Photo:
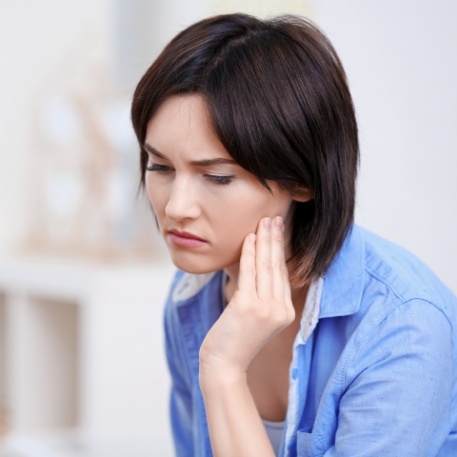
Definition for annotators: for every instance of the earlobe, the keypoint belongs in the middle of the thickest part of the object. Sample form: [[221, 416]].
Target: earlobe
[[302, 194]]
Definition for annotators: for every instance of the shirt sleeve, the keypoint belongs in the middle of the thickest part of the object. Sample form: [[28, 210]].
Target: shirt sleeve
[[180, 396], [397, 387]]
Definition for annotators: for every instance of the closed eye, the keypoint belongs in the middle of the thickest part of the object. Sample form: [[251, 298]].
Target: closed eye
[[158, 167], [216, 179], [220, 180]]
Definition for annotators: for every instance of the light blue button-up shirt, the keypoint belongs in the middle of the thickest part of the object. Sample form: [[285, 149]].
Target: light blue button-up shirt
[[374, 368]]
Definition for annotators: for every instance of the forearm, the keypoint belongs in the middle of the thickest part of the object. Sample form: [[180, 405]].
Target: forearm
[[235, 426]]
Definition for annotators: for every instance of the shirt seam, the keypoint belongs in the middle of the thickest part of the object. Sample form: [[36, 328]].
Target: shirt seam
[[402, 298], [378, 322]]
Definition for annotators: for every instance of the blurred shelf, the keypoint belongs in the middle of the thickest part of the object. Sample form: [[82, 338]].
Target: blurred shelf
[[82, 365]]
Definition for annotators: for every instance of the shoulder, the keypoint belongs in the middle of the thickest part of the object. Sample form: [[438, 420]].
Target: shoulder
[[402, 300], [394, 269], [369, 267], [399, 312], [372, 278]]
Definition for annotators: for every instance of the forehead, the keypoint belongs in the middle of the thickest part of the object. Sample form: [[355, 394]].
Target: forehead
[[181, 124]]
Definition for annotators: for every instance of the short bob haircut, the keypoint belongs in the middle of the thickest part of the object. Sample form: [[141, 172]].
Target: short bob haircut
[[279, 101]]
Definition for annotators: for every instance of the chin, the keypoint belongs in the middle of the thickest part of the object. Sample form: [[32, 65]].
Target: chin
[[195, 268], [202, 264]]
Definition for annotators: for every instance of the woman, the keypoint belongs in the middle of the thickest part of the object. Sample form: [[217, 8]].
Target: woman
[[289, 330]]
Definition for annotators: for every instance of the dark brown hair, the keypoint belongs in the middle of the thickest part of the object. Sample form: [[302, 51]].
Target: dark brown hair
[[278, 99]]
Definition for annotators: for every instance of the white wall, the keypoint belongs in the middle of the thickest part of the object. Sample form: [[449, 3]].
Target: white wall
[[39, 46], [401, 60]]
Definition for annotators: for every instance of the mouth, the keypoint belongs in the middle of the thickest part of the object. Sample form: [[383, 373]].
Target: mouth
[[185, 239]]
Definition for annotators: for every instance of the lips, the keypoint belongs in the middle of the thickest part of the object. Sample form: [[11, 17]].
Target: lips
[[185, 239]]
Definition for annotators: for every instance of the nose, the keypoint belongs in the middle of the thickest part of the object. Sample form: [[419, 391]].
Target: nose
[[183, 202]]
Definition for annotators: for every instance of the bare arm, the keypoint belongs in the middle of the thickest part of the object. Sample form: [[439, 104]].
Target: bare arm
[[260, 308]]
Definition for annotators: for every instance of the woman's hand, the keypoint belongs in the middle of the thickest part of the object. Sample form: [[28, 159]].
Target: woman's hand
[[260, 308]]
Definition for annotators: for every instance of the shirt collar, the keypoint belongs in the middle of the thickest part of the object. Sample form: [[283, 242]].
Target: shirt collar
[[344, 279]]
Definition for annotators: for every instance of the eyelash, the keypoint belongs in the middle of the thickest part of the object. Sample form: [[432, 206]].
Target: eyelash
[[220, 180], [215, 179], [158, 167]]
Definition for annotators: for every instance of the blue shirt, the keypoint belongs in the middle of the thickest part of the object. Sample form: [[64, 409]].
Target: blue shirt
[[373, 374]]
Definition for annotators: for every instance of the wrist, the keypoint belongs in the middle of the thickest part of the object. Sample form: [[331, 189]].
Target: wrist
[[218, 374]]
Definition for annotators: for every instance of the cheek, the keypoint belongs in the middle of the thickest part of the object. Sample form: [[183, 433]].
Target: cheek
[[236, 222], [157, 196]]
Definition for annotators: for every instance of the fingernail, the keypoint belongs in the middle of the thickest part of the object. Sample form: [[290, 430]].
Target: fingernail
[[267, 222], [278, 222]]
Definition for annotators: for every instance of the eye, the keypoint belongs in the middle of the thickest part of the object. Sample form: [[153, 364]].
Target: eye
[[220, 180], [158, 167]]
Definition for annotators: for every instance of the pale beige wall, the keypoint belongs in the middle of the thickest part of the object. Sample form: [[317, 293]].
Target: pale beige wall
[[401, 61]]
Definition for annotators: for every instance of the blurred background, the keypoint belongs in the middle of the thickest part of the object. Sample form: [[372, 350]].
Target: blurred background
[[83, 275]]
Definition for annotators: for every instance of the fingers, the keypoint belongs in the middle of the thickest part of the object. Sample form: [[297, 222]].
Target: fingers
[[247, 275], [280, 273], [270, 259], [263, 258], [263, 270]]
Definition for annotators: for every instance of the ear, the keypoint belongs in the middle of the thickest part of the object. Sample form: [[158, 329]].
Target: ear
[[302, 194]]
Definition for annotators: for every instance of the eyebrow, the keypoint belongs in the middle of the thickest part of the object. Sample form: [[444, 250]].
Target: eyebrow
[[200, 163]]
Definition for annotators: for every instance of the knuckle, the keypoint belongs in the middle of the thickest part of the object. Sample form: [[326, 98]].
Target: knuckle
[[277, 237], [264, 237], [266, 266], [278, 265]]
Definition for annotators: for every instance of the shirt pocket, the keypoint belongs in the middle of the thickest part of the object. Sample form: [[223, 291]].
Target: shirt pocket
[[310, 444]]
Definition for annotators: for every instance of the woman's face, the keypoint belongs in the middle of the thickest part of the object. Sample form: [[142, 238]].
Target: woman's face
[[205, 203]]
